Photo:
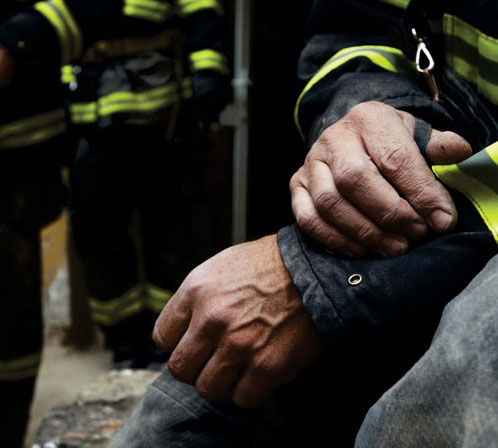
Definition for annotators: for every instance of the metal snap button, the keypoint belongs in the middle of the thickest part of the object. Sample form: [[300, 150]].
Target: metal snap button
[[355, 279]]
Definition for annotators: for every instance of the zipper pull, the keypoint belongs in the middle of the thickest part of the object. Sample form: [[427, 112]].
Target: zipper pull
[[423, 51]]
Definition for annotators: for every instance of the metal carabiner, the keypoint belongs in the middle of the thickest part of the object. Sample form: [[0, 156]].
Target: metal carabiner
[[427, 71], [422, 49]]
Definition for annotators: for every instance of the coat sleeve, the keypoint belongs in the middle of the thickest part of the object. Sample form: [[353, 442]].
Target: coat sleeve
[[207, 49], [363, 60], [375, 306], [354, 301]]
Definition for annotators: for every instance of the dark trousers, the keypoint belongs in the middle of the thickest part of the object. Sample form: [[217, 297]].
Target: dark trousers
[[121, 176]]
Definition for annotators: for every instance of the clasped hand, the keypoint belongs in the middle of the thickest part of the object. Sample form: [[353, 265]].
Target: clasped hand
[[237, 326]]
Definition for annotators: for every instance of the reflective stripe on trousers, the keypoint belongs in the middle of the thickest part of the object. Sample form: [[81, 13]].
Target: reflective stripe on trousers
[[135, 300]]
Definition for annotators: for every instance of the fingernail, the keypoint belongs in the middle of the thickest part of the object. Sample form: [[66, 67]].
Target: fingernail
[[441, 220], [417, 230], [394, 247]]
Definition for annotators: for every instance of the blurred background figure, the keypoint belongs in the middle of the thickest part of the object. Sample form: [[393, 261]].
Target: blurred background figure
[[32, 132], [148, 89]]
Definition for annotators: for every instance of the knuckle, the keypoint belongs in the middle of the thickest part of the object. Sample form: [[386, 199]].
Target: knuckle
[[311, 156], [205, 391], [192, 286], [324, 148], [265, 369], [238, 345], [326, 200], [306, 220], [178, 367], [390, 216], [157, 337], [394, 159], [366, 232], [294, 181], [215, 317], [333, 241], [424, 198], [351, 177], [325, 139], [364, 109], [407, 118]]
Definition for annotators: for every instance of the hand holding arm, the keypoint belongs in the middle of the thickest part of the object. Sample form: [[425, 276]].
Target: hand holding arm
[[237, 326], [365, 185]]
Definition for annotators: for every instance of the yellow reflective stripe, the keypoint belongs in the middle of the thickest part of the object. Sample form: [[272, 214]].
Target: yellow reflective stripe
[[208, 59], [113, 305], [154, 5], [138, 96], [388, 58], [187, 82], [74, 29], [482, 191], [34, 137], [476, 60], [46, 10], [67, 74], [145, 14], [187, 91], [33, 130], [82, 113], [149, 106], [125, 102], [20, 368], [67, 30], [187, 7], [156, 298], [471, 74], [487, 45], [35, 121], [112, 311], [398, 3], [148, 101], [155, 11], [125, 312]]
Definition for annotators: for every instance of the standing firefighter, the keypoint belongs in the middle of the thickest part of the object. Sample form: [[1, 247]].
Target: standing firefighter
[[32, 128], [126, 107], [128, 65]]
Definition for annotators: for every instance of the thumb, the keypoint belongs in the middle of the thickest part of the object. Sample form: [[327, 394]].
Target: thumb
[[445, 148]]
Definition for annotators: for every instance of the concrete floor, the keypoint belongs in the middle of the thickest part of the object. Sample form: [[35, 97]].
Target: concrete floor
[[63, 374]]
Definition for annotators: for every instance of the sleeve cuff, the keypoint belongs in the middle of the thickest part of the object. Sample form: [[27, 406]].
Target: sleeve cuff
[[327, 320]]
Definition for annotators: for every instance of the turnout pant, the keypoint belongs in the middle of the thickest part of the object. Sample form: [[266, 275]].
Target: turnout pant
[[449, 398], [124, 175]]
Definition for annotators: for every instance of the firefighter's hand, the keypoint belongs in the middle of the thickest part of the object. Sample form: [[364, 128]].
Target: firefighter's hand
[[365, 186], [237, 326], [7, 67]]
